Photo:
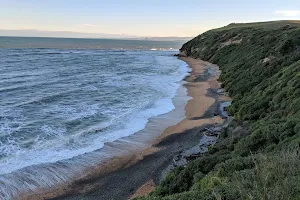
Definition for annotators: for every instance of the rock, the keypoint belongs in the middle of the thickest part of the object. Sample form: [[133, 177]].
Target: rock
[[268, 59], [180, 162], [181, 54]]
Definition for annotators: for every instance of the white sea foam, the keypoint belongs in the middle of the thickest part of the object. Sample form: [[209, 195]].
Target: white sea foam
[[59, 147], [57, 155], [72, 113]]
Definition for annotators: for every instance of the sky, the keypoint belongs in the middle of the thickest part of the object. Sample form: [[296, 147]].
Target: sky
[[145, 18]]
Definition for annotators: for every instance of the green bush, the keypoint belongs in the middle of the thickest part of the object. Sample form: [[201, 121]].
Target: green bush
[[256, 157]]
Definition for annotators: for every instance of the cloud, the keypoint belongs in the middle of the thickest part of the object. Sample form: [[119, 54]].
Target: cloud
[[89, 25], [288, 13]]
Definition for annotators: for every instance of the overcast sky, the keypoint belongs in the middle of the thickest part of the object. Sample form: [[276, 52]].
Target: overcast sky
[[140, 17]]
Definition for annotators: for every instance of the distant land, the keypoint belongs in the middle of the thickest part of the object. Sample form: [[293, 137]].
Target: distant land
[[70, 34]]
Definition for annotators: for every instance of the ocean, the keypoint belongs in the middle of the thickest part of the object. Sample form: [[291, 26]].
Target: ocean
[[62, 99]]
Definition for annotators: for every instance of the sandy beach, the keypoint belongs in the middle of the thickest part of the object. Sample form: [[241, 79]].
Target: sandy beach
[[136, 174]]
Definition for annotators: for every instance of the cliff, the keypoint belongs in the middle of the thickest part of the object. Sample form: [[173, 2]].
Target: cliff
[[257, 156]]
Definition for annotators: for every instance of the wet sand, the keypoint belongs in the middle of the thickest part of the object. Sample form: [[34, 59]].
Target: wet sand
[[137, 173]]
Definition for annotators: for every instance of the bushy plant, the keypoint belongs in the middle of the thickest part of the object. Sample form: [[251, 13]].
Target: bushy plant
[[257, 155]]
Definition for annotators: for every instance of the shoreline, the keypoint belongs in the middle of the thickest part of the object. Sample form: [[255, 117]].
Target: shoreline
[[145, 168]]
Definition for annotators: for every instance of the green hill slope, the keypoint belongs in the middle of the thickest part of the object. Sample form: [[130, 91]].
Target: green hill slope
[[257, 155], [264, 25]]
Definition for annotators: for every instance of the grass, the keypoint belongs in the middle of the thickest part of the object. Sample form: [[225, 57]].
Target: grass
[[257, 155], [261, 177], [271, 25]]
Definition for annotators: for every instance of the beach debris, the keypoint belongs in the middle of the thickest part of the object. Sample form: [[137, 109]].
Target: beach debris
[[209, 138]]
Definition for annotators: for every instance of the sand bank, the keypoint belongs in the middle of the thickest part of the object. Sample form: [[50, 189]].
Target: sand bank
[[137, 172]]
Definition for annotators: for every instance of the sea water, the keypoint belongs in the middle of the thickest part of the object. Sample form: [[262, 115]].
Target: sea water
[[64, 98]]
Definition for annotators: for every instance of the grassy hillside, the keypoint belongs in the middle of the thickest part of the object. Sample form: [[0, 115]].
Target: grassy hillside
[[257, 156], [271, 25]]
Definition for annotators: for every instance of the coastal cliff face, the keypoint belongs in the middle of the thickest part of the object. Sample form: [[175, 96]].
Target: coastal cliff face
[[257, 156]]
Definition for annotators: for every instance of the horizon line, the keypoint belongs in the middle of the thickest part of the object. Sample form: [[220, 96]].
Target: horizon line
[[33, 32], [107, 38]]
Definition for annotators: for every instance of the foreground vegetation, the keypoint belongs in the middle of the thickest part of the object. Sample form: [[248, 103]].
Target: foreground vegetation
[[257, 155]]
